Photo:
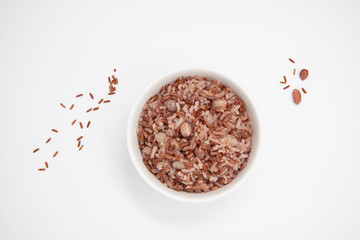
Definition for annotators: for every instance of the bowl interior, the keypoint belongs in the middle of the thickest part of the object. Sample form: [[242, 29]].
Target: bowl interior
[[135, 153]]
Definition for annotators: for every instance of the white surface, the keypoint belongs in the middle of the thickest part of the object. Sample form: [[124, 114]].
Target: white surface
[[306, 186], [151, 90]]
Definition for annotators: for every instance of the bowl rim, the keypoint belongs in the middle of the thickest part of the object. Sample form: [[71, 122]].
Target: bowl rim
[[163, 189]]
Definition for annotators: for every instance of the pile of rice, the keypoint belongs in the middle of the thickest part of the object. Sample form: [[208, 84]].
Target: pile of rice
[[194, 135]]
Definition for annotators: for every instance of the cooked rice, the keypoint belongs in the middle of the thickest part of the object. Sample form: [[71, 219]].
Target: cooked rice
[[220, 140]]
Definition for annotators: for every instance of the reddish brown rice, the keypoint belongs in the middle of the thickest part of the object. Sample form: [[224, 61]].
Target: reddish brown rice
[[195, 135]]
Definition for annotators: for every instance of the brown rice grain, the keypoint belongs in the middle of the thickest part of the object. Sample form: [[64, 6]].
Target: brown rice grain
[[286, 87], [88, 125], [303, 89], [48, 140], [79, 95], [89, 110], [294, 72], [81, 125], [285, 80], [72, 106], [54, 130], [114, 69], [56, 153], [73, 122], [79, 143], [107, 101], [46, 165], [92, 97], [79, 138], [96, 108], [111, 93], [81, 147], [101, 100], [291, 60], [36, 150], [109, 79], [62, 105], [41, 169]]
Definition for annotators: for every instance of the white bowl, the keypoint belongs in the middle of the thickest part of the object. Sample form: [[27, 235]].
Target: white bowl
[[135, 153]]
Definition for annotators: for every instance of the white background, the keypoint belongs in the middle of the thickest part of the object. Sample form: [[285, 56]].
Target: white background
[[305, 185]]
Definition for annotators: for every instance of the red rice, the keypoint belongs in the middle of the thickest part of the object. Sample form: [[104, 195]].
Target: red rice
[[96, 108], [101, 100], [291, 60], [81, 125], [72, 106], [47, 165], [79, 138], [209, 123], [303, 89], [54, 130], [62, 105], [48, 140], [79, 95], [294, 71], [111, 93], [107, 101], [92, 97], [73, 122], [36, 150], [285, 79], [56, 153], [81, 147], [41, 169], [88, 125], [79, 143], [286, 87], [89, 110]]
